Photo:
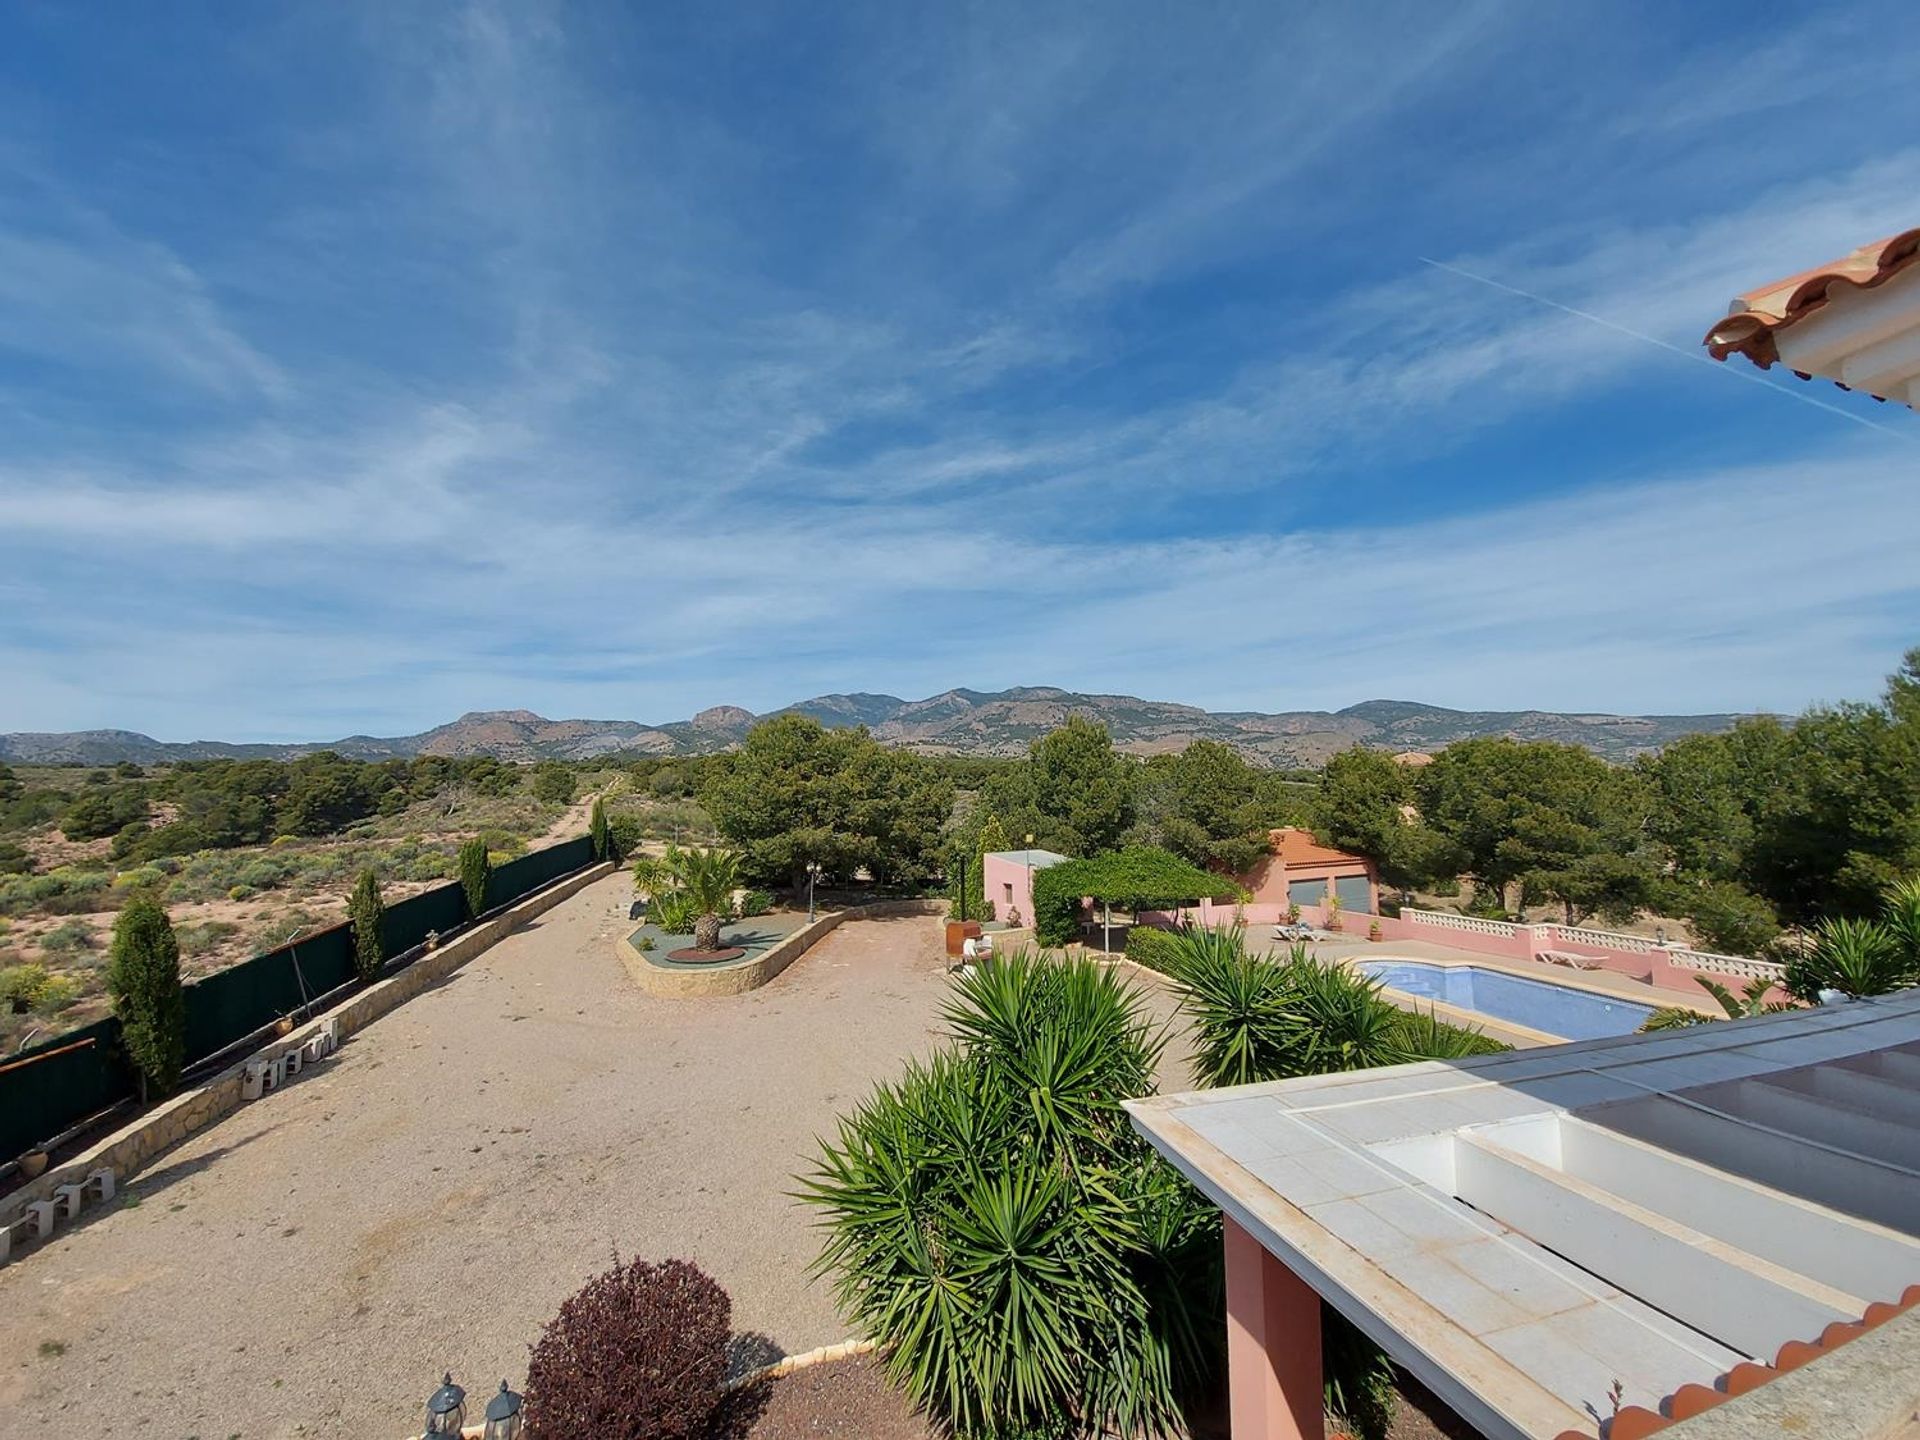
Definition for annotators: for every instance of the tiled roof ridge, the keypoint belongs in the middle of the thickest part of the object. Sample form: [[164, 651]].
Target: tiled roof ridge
[[1760, 313], [1636, 1422]]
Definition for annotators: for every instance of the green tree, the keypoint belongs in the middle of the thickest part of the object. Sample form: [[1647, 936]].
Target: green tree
[[326, 793], [366, 910], [10, 786], [598, 832], [143, 977], [103, 809], [1207, 804], [552, 783], [1555, 819], [1727, 917], [1363, 803], [797, 792], [473, 865], [1080, 791]]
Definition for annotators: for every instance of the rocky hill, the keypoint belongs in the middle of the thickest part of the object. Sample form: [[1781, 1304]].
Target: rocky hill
[[957, 722]]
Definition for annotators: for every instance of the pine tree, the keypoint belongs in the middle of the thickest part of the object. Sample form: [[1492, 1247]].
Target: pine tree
[[366, 911], [143, 976]]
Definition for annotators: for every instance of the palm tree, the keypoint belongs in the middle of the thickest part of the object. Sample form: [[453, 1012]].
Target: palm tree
[[1752, 1000], [708, 878]]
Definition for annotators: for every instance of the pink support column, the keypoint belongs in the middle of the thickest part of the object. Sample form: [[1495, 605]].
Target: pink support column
[[1273, 1345]]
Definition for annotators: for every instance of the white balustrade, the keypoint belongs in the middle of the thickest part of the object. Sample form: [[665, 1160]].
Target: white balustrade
[[1447, 921], [1742, 965]]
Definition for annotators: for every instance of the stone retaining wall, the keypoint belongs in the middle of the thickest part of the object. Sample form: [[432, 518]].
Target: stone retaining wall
[[739, 976], [130, 1148]]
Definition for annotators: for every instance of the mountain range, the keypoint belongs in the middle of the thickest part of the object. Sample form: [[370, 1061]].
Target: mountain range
[[957, 722]]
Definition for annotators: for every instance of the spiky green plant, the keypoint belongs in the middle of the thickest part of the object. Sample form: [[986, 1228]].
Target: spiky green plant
[[707, 878], [1268, 1017], [1752, 1000], [1855, 957], [994, 1220]]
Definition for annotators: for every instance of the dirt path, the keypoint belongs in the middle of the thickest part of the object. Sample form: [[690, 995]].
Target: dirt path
[[309, 1266]]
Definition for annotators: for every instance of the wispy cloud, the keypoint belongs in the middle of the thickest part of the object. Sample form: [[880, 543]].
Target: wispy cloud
[[592, 364]]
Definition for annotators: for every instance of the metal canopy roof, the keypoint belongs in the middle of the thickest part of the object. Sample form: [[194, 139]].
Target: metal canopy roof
[[1523, 1231]]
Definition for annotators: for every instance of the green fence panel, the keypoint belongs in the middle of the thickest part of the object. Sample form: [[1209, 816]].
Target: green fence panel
[[85, 1070], [509, 881], [59, 1083], [439, 910], [242, 998]]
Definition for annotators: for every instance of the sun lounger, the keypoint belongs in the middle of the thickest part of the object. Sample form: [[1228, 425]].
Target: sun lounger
[[1568, 959]]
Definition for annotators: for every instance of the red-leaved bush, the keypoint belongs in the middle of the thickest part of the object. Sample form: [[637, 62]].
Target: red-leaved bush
[[639, 1353]]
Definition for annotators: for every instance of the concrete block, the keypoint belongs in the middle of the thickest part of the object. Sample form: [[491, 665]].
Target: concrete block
[[40, 1218], [69, 1196], [100, 1184], [293, 1059]]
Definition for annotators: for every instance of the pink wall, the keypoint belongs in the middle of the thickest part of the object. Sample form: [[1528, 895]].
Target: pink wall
[[1009, 884]]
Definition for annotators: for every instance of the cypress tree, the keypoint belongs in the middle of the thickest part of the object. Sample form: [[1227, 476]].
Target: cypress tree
[[366, 910], [597, 829], [143, 976], [473, 876]]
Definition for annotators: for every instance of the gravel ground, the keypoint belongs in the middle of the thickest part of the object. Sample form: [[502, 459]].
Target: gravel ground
[[310, 1265]]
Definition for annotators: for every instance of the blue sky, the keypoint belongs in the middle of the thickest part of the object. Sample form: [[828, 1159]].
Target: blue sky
[[364, 365]]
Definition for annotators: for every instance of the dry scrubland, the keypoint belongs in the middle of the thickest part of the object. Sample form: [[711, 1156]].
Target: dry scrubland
[[59, 895]]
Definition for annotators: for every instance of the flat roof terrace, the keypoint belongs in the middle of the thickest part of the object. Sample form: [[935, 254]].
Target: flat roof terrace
[[1545, 1236]]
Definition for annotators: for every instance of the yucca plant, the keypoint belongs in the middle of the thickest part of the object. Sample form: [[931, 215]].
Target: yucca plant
[[1855, 957], [1268, 1017], [996, 1223]]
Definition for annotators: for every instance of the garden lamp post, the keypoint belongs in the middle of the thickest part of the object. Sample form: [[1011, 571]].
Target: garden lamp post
[[504, 1420], [813, 875], [446, 1409]]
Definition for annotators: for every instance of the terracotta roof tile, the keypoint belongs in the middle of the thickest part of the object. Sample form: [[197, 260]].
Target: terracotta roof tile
[[1295, 846], [1758, 315]]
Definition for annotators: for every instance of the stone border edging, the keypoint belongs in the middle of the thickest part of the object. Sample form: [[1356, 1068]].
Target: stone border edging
[[738, 977], [787, 1364], [129, 1148]]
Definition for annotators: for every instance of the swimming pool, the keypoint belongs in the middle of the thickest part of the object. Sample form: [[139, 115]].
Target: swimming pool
[[1538, 1004]]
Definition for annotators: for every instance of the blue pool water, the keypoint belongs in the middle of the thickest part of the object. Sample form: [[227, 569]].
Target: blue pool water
[[1537, 1004]]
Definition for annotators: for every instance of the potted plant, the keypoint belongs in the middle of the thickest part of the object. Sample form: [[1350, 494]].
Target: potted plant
[[1333, 912], [1373, 932], [1293, 913]]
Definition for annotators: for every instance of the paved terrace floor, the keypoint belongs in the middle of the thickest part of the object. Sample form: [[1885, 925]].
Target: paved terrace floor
[[310, 1265]]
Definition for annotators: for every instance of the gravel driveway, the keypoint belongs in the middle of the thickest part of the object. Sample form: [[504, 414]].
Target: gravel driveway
[[425, 1201]]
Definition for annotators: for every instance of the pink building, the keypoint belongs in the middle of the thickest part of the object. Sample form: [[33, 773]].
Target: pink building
[[1301, 871], [1008, 875]]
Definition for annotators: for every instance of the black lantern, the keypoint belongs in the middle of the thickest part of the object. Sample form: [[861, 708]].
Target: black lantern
[[446, 1409], [503, 1416]]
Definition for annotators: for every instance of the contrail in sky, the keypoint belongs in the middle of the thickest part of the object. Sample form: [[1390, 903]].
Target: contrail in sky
[[1739, 373]]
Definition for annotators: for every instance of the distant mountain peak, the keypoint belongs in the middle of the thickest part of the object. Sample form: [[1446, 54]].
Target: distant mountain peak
[[954, 722]]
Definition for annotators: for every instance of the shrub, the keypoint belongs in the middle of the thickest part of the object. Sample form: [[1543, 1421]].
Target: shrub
[[754, 902], [552, 783], [473, 866], [143, 977], [14, 860], [366, 912], [640, 1350], [201, 936], [1028, 1261], [240, 892], [1731, 920], [1154, 948], [68, 939], [20, 987], [674, 912], [56, 994]]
